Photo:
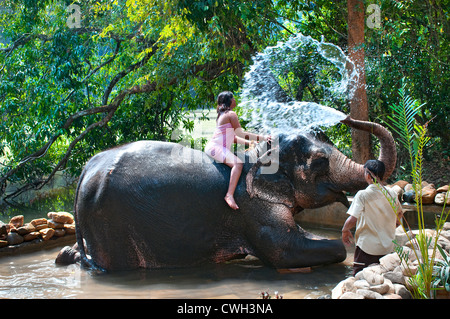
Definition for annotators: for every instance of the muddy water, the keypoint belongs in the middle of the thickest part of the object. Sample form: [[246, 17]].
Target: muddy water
[[35, 275]]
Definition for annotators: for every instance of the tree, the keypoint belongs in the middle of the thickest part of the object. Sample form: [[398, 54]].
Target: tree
[[359, 108], [71, 85]]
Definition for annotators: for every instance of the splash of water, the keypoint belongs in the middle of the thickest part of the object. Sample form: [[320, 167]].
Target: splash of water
[[268, 107]]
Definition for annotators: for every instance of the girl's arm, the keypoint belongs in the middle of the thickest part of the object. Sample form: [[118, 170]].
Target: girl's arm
[[240, 140], [241, 133]]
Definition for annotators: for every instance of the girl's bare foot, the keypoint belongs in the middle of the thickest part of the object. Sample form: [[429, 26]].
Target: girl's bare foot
[[230, 201]]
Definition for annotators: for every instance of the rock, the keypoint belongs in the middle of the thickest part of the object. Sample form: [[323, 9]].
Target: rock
[[361, 284], [369, 294], [392, 296], [399, 191], [25, 229], [373, 276], [47, 233], [351, 295], [446, 226], [70, 229], [31, 236], [55, 225], [381, 289], [3, 231], [408, 187], [444, 242], [61, 217], [395, 276], [38, 221], [402, 291], [401, 184], [391, 286], [40, 226], [59, 232], [14, 239], [16, 221], [390, 261], [443, 189], [343, 287], [409, 196], [442, 198], [445, 233], [428, 194], [3, 243]]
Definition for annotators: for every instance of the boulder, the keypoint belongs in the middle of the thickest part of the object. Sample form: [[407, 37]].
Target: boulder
[[47, 233], [3, 231], [31, 236], [402, 291], [442, 198], [409, 196], [398, 190], [372, 275], [38, 221], [3, 243], [55, 225], [351, 295], [395, 276], [369, 294], [381, 289], [61, 217], [70, 229], [25, 229], [14, 239], [16, 221], [401, 184], [390, 261], [41, 226], [392, 296], [428, 194], [59, 232], [361, 284]]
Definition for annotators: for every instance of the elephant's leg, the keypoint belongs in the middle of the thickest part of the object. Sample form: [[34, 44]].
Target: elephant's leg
[[281, 243]]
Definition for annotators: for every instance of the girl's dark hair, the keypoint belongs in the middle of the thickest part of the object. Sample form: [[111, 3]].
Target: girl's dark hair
[[224, 103], [376, 167]]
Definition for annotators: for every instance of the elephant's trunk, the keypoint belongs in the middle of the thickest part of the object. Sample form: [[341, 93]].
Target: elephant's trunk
[[349, 175]]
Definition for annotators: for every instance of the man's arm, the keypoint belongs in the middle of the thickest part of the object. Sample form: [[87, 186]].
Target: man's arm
[[347, 236]]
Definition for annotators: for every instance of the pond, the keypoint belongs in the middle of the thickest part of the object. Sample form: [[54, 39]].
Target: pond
[[35, 275]]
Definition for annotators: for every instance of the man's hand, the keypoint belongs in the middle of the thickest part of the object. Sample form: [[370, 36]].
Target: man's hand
[[347, 237]]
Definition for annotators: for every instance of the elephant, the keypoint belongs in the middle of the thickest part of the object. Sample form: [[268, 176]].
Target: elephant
[[137, 206]]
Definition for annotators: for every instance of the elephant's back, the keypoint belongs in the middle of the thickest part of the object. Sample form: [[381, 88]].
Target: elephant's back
[[146, 190]]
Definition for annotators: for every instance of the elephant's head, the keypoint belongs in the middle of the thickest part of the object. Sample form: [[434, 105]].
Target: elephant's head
[[313, 173]]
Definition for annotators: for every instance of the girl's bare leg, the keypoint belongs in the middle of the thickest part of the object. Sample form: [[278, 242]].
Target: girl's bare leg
[[236, 168]]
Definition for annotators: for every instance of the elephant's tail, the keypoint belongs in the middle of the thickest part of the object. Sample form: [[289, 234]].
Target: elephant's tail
[[86, 260]]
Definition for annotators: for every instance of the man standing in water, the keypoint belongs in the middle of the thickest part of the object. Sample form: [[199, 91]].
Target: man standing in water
[[374, 219]]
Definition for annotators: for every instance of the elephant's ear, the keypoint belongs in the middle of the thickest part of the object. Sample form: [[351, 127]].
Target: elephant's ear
[[275, 188]]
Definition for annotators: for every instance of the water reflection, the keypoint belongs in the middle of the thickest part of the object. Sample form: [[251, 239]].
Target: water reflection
[[36, 276]]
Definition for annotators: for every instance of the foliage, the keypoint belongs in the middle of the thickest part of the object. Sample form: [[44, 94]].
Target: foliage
[[442, 272], [412, 42], [130, 71], [413, 137]]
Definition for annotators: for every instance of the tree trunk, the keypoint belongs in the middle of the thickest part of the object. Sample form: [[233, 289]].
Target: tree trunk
[[359, 109]]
